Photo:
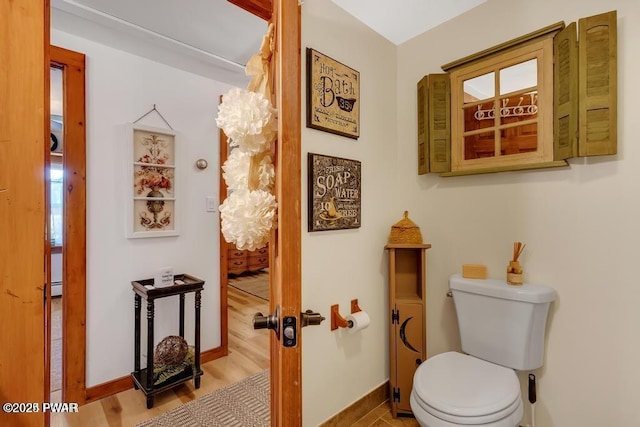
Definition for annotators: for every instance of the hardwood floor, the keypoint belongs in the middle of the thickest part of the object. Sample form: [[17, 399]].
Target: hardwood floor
[[248, 354], [381, 417]]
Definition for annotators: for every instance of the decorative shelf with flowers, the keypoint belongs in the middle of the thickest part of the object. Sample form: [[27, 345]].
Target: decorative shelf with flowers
[[152, 208]]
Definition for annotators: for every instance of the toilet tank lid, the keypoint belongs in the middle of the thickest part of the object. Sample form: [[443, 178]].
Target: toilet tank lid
[[499, 288]]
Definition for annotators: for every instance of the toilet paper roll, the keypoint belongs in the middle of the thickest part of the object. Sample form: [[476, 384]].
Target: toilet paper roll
[[358, 321]]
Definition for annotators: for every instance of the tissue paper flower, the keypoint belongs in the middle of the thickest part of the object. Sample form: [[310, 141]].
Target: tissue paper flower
[[247, 218], [236, 171], [248, 120]]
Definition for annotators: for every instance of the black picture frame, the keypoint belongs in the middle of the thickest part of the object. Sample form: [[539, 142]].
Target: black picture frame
[[334, 190], [333, 95]]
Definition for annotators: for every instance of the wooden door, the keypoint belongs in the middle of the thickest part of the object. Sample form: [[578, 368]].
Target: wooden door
[[285, 247], [285, 244], [24, 148]]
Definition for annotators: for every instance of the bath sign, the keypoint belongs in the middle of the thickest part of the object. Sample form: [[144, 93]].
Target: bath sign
[[334, 193], [333, 96]]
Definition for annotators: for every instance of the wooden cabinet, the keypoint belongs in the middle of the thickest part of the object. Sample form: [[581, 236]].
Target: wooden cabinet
[[528, 103], [408, 325], [240, 261]]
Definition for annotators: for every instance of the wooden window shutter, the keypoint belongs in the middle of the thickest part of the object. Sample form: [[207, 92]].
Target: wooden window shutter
[[423, 126], [439, 111], [565, 93], [597, 57]]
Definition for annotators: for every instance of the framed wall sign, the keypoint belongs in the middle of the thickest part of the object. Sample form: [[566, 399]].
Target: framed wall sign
[[152, 207], [333, 96], [334, 193]]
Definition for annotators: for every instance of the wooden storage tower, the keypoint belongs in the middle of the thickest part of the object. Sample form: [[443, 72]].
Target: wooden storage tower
[[407, 330]]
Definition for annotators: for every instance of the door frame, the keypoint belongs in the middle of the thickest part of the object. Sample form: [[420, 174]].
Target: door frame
[[28, 100], [74, 248], [24, 148]]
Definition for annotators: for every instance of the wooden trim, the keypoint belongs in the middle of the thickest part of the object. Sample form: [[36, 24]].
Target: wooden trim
[[408, 246], [544, 165], [24, 145], [108, 388], [503, 47], [224, 261], [47, 248], [285, 246], [213, 354], [74, 233], [260, 8], [361, 407]]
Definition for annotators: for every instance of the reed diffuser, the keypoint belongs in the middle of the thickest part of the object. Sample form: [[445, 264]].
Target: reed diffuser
[[514, 270]]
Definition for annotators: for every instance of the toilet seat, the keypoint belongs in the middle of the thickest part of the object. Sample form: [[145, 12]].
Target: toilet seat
[[464, 390]]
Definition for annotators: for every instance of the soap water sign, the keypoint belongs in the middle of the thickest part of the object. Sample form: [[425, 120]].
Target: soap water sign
[[335, 201]]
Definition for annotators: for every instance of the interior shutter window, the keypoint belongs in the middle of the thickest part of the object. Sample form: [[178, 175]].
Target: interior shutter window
[[597, 56], [565, 93], [439, 111], [423, 126]]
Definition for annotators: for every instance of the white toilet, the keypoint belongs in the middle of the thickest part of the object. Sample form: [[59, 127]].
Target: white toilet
[[502, 329]]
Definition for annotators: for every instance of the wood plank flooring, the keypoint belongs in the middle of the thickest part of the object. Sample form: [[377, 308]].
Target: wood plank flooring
[[248, 354]]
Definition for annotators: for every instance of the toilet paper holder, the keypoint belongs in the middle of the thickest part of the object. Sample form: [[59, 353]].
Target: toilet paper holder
[[337, 321]]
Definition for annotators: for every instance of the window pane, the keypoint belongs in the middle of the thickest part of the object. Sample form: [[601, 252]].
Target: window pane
[[520, 107], [478, 88], [479, 145], [479, 116], [519, 76], [519, 139], [56, 176]]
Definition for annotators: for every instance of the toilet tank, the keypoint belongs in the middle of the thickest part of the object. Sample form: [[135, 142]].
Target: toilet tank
[[501, 323]]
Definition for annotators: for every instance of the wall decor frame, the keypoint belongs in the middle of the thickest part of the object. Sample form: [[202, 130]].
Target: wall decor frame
[[334, 193], [333, 95], [152, 157]]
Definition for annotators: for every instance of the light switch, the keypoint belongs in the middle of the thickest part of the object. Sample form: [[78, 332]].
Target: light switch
[[212, 204]]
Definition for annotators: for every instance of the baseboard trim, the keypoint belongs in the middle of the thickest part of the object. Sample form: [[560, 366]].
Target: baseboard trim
[[118, 385], [108, 388], [213, 354], [367, 403]]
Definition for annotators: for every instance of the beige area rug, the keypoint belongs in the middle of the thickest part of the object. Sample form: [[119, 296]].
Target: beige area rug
[[243, 404], [256, 284]]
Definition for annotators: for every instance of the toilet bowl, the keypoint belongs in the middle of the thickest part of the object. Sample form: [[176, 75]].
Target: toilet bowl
[[454, 389], [502, 330]]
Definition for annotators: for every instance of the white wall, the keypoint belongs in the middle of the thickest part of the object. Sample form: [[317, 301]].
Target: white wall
[[120, 88], [338, 266], [580, 224]]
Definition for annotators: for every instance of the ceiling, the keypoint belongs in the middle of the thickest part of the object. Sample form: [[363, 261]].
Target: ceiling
[[215, 38], [401, 20]]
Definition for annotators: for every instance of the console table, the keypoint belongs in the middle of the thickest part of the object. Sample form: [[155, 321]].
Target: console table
[[143, 378]]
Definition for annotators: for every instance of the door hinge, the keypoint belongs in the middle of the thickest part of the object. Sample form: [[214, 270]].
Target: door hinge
[[395, 316], [396, 394]]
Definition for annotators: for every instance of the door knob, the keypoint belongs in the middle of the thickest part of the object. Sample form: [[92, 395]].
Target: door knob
[[310, 318], [272, 321]]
